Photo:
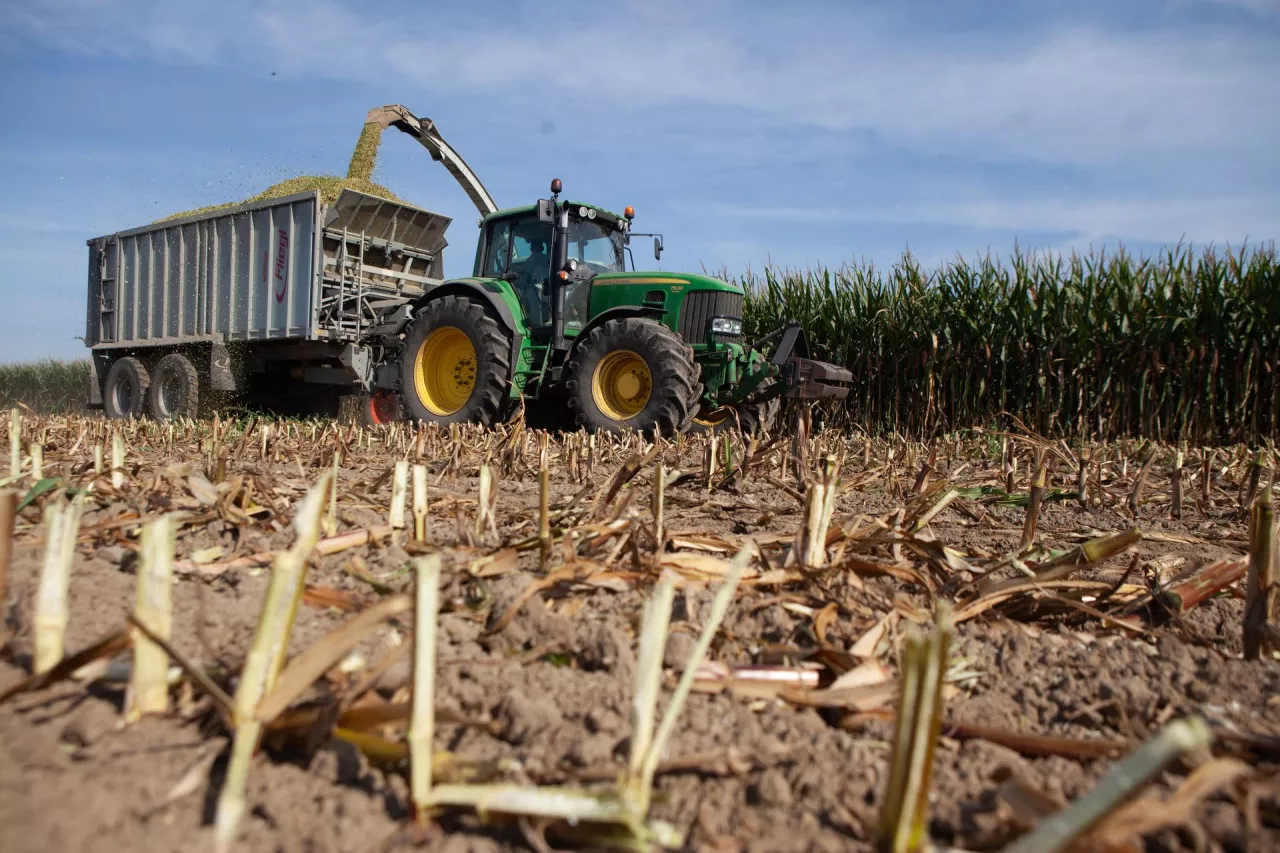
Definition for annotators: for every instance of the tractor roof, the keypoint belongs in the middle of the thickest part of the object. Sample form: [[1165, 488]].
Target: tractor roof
[[532, 208]]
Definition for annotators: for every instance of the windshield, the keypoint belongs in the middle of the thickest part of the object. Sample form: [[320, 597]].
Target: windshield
[[596, 245]]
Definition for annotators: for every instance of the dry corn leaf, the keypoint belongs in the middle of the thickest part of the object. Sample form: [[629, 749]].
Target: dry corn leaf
[[500, 563], [112, 644], [868, 644], [204, 556], [301, 672], [1125, 827], [866, 674]]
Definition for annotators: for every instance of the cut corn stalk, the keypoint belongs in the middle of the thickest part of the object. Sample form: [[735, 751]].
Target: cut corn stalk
[[903, 815], [420, 503], [719, 607], [544, 517], [117, 461], [653, 643], [8, 506], [62, 527], [149, 692], [484, 506], [266, 656], [659, 506], [15, 443], [1033, 505], [1261, 591], [399, 494], [1182, 594], [422, 722], [1175, 485], [819, 503]]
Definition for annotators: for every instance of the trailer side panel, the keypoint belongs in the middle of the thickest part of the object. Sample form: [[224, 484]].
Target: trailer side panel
[[249, 275]]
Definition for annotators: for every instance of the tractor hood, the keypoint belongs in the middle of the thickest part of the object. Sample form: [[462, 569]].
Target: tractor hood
[[683, 281]]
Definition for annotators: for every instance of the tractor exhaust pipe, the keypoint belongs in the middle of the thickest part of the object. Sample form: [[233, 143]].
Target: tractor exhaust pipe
[[560, 239]]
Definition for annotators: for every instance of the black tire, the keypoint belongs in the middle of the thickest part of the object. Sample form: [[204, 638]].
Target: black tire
[[488, 369], [675, 384], [175, 389], [124, 394], [750, 418]]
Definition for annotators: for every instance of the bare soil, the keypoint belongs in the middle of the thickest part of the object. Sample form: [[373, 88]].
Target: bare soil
[[550, 694]]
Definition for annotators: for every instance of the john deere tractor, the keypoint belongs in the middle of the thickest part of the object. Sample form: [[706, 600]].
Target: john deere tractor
[[552, 315]]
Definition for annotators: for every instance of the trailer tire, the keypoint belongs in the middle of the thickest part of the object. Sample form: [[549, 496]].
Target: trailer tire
[[636, 374], [124, 394], [455, 364], [175, 388]]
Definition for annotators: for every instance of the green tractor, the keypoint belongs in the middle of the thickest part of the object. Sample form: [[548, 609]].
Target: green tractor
[[552, 316]]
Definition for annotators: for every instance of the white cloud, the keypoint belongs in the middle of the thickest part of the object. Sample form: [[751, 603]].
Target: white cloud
[[1086, 220], [1080, 96]]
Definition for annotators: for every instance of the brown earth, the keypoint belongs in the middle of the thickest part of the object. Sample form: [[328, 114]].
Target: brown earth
[[550, 695]]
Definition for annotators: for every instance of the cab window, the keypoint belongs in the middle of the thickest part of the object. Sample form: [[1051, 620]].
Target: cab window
[[499, 249], [530, 264]]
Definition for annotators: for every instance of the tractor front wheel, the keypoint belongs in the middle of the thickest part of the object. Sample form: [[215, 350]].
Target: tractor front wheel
[[455, 364], [750, 418], [633, 374]]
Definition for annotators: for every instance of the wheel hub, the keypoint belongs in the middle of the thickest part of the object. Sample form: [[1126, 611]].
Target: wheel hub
[[444, 370], [622, 385]]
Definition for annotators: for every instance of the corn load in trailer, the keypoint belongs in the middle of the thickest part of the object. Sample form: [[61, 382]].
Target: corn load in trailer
[[291, 303]]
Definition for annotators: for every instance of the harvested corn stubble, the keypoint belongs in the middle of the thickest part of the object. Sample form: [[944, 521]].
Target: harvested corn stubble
[[1065, 654]]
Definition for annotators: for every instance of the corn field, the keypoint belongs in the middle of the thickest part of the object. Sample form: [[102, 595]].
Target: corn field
[[1185, 345], [48, 386]]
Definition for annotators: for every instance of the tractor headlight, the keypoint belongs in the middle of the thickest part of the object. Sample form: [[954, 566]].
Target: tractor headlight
[[726, 326]]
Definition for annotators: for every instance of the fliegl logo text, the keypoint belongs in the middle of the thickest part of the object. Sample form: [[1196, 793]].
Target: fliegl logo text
[[282, 267]]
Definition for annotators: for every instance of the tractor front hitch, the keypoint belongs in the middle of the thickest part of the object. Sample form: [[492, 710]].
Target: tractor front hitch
[[804, 378], [807, 379]]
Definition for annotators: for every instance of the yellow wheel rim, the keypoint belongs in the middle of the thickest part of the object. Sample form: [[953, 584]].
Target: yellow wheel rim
[[444, 370], [621, 385], [713, 417]]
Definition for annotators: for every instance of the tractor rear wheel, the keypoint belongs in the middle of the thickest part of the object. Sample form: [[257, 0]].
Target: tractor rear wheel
[[750, 418], [455, 364], [634, 374], [175, 388], [124, 394]]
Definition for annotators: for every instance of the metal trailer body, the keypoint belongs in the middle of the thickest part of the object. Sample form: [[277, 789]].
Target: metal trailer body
[[290, 281]]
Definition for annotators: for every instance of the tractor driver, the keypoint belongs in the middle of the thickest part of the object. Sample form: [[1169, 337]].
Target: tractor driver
[[531, 276]]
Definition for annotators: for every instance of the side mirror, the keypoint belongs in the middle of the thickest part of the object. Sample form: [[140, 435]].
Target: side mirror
[[657, 248], [546, 210]]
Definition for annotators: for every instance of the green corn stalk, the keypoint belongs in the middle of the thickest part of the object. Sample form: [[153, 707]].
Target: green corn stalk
[[1183, 345]]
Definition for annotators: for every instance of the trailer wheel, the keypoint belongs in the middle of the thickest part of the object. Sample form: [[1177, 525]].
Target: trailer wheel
[[175, 388], [456, 364], [634, 374], [124, 395]]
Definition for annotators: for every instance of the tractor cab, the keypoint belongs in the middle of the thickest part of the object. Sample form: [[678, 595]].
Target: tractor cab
[[521, 246]]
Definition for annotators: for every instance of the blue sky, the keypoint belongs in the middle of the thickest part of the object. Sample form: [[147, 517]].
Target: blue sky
[[747, 132]]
